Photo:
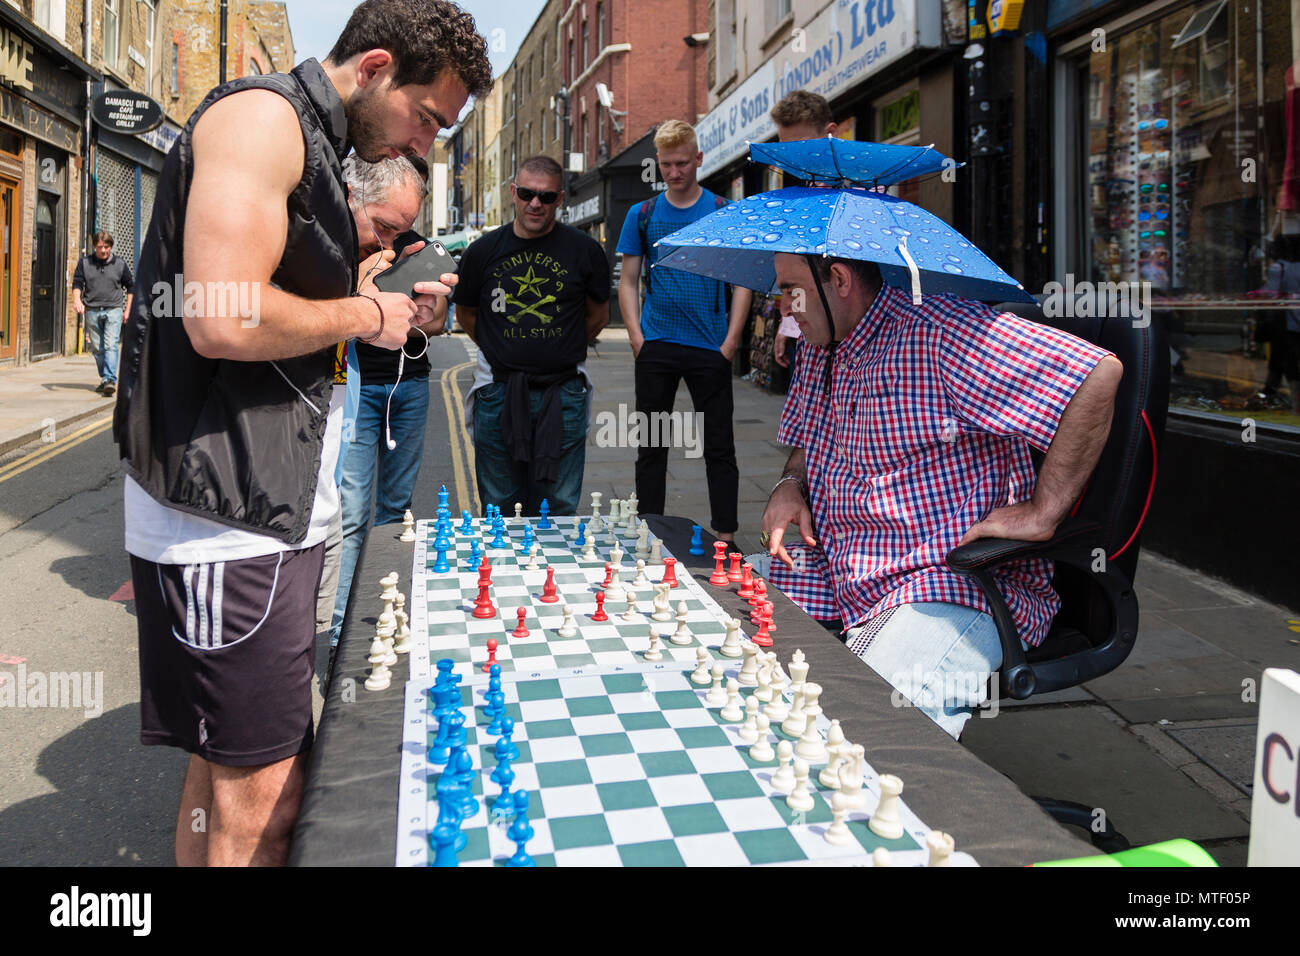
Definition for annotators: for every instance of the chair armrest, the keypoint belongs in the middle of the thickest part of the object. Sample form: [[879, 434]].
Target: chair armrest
[[988, 553]]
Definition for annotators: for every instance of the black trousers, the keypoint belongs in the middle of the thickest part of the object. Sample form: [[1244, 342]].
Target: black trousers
[[659, 367]]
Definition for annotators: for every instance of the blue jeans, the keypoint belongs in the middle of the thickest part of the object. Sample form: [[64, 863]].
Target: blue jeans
[[500, 481], [938, 657], [397, 467], [103, 328]]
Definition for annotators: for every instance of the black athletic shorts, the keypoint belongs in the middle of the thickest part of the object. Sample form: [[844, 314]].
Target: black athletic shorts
[[227, 653]]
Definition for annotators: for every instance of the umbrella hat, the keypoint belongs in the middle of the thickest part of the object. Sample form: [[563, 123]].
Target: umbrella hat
[[852, 162], [916, 250]]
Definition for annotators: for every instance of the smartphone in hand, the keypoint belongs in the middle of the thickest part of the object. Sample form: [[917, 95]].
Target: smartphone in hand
[[427, 265]]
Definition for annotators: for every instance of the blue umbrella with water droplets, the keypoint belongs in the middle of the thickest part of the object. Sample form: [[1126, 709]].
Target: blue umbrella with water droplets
[[916, 250], [852, 162]]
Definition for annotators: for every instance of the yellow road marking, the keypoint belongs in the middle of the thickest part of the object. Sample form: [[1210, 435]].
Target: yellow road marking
[[465, 491], [31, 460], [467, 446]]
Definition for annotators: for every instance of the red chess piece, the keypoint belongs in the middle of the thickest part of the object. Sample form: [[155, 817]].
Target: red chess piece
[[670, 572], [609, 575], [746, 581], [484, 572], [768, 609], [760, 593], [600, 614], [733, 574], [492, 654], [764, 637], [483, 603], [719, 577], [756, 614], [548, 591], [521, 630]]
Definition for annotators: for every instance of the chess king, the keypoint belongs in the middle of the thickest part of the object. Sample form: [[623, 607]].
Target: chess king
[[227, 535]]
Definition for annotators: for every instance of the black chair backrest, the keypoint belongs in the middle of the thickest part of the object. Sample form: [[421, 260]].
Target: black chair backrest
[[1119, 492]]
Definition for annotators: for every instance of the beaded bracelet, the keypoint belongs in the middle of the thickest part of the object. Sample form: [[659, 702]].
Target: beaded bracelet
[[381, 320]]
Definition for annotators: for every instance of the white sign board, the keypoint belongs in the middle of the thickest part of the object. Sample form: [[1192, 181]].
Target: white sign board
[[1275, 807], [847, 42]]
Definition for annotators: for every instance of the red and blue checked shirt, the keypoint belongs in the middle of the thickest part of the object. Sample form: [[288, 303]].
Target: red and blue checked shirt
[[928, 428]]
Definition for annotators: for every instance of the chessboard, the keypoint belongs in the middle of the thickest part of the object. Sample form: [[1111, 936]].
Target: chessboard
[[633, 767], [443, 626]]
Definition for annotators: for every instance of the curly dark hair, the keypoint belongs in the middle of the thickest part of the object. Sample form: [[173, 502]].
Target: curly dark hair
[[424, 37]]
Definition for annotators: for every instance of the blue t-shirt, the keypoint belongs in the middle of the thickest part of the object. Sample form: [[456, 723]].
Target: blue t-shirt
[[681, 307]]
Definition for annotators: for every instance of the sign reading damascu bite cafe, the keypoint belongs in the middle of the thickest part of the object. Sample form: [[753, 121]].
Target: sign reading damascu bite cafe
[[126, 111]]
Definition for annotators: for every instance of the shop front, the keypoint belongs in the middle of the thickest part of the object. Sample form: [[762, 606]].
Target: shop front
[[42, 104], [1177, 174]]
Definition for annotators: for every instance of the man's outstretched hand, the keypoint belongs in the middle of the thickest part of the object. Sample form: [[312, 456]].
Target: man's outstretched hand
[[787, 506], [1023, 521]]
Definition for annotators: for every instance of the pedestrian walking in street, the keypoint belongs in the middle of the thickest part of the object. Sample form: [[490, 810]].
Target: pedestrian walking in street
[[98, 285], [685, 330], [224, 419], [532, 295]]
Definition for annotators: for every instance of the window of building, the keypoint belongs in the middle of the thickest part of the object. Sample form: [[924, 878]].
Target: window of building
[[572, 71], [112, 28], [586, 43], [1190, 169], [176, 70], [151, 15], [600, 26]]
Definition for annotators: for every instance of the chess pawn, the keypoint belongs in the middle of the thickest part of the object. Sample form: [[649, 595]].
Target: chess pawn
[[402, 644], [701, 673], [567, 627], [716, 696], [783, 779], [748, 675], [640, 580], [629, 609], [379, 677], [681, 636], [408, 527], [654, 654], [940, 845], [731, 712], [886, 822], [762, 751], [800, 799], [589, 549], [838, 833], [731, 646], [519, 511], [881, 857], [748, 732], [532, 559]]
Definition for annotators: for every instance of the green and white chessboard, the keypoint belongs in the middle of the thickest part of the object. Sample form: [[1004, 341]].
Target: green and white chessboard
[[442, 604], [629, 767]]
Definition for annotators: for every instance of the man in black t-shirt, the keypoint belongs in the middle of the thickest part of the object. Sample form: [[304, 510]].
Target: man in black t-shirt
[[532, 295]]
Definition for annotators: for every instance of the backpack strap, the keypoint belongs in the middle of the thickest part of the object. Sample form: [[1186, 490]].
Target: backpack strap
[[643, 229]]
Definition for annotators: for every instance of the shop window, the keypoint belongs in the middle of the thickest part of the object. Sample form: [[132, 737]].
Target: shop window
[[1192, 193], [111, 30], [176, 70]]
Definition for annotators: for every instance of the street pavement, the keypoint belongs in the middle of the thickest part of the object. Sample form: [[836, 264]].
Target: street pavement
[[1163, 746]]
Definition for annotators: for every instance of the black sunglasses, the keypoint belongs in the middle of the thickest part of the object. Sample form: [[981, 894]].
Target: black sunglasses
[[528, 195]]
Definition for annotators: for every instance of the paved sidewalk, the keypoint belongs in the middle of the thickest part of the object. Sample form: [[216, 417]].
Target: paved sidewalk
[[1164, 746], [50, 394]]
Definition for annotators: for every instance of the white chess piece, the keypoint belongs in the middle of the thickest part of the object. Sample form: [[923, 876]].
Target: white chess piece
[[654, 654], [640, 581], [798, 667], [532, 559], [783, 779], [834, 736], [731, 646], [629, 514], [701, 673], [379, 677], [616, 557], [615, 513], [614, 582], [402, 643], [886, 822], [567, 627], [762, 750], [749, 730], [716, 696], [881, 857], [656, 551], [663, 611], [386, 629], [940, 845], [810, 746], [851, 776], [596, 524], [778, 674], [731, 711], [681, 636], [408, 526], [764, 692], [838, 834], [830, 774], [519, 511], [800, 799], [794, 724], [777, 709], [748, 675], [812, 693], [589, 549], [643, 541]]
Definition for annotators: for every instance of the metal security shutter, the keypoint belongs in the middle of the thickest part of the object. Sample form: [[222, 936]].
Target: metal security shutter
[[148, 189], [115, 208]]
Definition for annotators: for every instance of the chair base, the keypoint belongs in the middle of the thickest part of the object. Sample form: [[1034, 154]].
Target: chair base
[[1108, 839]]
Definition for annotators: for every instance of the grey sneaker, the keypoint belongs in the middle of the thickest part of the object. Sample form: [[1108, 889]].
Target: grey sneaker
[[108, 390]]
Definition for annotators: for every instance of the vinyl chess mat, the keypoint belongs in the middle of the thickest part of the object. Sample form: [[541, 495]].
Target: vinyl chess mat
[[629, 767], [442, 604]]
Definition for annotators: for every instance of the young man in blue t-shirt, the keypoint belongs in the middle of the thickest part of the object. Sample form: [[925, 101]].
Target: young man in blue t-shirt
[[685, 329]]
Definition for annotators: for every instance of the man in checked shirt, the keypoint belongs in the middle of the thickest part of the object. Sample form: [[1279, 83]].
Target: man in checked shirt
[[919, 442]]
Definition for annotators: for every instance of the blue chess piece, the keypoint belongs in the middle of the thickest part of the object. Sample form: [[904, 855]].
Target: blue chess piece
[[521, 831], [528, 538], [443, 839], [445, 666], [442, 497], [449, 813], [440, 565], [582, 534], [443, 744], [464, 775], [697, 539], [500, 541], [475, 554], [498, 699], [504, 776], [505, 748], [466, 522], [545, 512]]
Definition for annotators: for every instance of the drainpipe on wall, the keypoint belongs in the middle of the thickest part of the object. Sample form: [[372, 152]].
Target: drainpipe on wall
[[86, 212]]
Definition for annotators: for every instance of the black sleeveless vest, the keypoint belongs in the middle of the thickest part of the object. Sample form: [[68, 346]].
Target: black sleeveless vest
[[238, 442]]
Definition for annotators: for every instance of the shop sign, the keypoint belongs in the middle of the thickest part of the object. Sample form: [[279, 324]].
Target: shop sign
[[582, 211], [901, 116], [21, 114], [15, 60], [1005, 15], [125, 111]]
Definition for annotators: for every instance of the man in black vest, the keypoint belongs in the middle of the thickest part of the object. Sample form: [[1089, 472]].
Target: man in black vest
[[246, 281]]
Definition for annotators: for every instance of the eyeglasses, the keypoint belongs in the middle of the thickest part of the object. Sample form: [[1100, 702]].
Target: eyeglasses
[[528, 195]]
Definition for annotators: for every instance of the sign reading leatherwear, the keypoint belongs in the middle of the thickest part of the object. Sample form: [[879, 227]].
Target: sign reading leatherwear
[[126, 111]]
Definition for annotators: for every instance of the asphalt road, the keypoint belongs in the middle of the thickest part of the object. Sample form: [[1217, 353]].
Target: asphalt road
[[76, 786]]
